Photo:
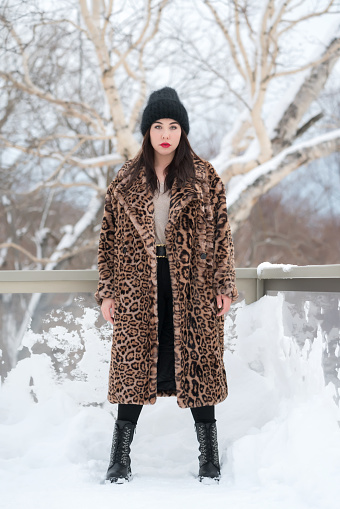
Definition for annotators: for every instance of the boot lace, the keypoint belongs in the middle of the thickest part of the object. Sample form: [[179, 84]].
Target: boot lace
[[208, 445], [121, 441]]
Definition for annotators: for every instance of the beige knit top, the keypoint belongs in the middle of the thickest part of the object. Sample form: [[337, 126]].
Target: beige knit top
[[161, 201]]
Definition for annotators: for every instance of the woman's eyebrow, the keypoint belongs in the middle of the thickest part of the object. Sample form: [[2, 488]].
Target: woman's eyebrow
[[159, 122]]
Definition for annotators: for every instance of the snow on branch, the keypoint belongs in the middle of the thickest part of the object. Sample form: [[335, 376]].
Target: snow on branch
[[258, 52], [244, 193], [91, 162]]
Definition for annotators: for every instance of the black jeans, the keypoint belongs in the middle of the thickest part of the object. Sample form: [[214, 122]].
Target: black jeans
[[166, 357]]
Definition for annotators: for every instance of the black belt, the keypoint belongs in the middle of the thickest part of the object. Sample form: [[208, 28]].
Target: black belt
[[161, 251]]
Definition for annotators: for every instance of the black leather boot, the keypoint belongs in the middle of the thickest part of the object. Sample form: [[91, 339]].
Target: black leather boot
[[119, 469], [209, 465]]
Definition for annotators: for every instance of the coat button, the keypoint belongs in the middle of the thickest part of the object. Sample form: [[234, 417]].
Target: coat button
[[203, 256], [124, 249]]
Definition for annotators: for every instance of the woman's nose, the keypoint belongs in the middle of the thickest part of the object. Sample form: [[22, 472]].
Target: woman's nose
[[165, 134]]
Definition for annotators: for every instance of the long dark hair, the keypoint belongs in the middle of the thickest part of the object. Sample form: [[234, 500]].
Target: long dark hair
[[181, 166]]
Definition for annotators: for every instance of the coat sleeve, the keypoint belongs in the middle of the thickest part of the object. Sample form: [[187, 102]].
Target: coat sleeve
[[105, 287], [224, 264]]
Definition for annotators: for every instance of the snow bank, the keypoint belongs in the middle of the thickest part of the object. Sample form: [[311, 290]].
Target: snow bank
[[278, 429]]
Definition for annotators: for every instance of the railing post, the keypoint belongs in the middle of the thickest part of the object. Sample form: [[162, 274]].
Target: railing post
[[260, 291]]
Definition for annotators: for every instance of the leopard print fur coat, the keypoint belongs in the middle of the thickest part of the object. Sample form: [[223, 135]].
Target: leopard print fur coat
[[201, 261]]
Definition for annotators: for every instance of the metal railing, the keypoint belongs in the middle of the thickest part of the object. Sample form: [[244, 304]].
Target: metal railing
[[256, 282], [252, 283]]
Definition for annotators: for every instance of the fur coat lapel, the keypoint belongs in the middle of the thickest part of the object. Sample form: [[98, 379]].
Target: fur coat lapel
[[138, 203]]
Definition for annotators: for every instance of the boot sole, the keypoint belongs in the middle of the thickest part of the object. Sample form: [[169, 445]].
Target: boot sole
[[119, 480], [209, 480]]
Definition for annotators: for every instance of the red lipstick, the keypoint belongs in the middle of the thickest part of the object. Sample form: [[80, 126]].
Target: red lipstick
[[165, 145]]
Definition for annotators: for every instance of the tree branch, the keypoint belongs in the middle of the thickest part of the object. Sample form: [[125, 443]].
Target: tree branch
[[243, 196], [308, 16], [308, 124], [304, 67], [286, 130], [240, 43], [93, 162], [63, 185], [67, 107], [59, 21], [229, 39], [44, 261]]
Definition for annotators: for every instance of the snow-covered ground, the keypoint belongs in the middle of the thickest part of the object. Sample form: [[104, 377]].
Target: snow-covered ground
[[278, 430]]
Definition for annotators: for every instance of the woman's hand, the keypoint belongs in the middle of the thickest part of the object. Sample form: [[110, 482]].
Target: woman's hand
[[223, 303], [108, 310]]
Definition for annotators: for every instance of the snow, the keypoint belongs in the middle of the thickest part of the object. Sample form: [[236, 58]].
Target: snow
[[278, 429], [107, 159], [239, 183], [286, 267]]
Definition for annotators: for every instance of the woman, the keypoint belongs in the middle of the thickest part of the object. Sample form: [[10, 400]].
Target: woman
[[166, 268]]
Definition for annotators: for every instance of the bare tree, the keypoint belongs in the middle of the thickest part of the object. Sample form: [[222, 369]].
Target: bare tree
[[261, 148], [73, 83]]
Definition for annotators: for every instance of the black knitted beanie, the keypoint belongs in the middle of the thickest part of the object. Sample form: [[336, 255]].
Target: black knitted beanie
[[164, 103]]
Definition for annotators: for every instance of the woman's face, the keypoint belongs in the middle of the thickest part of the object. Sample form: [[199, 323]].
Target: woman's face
[[165, 135]]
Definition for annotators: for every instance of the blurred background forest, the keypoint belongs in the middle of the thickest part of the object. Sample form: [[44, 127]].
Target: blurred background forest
[[260, 81]]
